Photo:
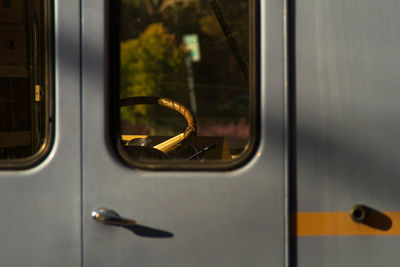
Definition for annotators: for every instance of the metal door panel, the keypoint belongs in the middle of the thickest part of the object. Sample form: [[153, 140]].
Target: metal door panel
[[347, 251], [233, 218], [347, 95], [40, 207]]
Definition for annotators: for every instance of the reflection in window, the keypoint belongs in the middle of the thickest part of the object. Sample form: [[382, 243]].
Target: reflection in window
[[184, 78], [23, 78]]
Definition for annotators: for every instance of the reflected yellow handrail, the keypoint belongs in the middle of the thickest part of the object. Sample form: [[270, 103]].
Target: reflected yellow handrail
[[171, 143]]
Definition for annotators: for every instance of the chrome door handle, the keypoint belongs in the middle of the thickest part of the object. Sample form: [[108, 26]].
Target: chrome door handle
[[110, 217]]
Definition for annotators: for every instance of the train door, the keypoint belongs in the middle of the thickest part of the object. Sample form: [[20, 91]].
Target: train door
[[181, 217], [39, 133], [347, 106]]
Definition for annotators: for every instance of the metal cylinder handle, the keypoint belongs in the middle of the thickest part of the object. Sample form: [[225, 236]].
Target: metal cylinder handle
[[358, 213]]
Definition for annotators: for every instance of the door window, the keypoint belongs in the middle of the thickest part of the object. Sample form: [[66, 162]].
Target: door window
[[25, 82], [186, 82]]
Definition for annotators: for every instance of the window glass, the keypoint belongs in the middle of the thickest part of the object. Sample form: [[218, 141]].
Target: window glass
[[24, 80], [186, 80]]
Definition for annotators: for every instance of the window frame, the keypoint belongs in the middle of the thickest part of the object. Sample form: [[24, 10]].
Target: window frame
[[48, 95], [113, 118]]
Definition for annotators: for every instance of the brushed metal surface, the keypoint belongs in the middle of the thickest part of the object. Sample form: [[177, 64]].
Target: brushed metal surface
[[233, 218], [40, 207], [347, 93]]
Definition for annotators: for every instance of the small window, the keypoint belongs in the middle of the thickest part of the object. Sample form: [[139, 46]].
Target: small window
[[25, 82], [186, 79]]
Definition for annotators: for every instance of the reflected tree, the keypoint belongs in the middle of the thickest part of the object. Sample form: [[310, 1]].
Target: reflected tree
[[152, 65]]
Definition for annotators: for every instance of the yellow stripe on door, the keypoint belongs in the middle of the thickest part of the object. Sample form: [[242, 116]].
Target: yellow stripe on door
[[340, 223]]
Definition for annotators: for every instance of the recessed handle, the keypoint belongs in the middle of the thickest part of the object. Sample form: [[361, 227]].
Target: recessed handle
[[110, 217]]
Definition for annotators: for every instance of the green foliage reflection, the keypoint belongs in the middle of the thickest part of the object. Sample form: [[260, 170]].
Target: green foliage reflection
[[151, 65]]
